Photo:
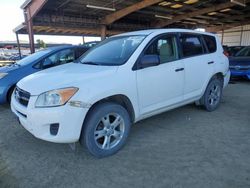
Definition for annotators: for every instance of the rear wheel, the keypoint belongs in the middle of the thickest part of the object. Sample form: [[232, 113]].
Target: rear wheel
[[212, 96], [106, 129]]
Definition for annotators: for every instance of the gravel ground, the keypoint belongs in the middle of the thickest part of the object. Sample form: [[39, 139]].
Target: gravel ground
[[185, 147]]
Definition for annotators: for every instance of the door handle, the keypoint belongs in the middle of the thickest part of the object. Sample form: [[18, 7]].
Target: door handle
[[210, 62], [180, 69]]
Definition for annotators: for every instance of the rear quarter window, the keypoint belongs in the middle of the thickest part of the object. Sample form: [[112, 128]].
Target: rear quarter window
[[210, 43]]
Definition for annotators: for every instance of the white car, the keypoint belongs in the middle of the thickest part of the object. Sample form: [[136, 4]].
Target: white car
[[124, 79]]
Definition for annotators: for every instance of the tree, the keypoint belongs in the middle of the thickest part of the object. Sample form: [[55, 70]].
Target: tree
[[41, 43]]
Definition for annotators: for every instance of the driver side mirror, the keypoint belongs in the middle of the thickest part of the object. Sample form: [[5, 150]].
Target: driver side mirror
[[149, 61]]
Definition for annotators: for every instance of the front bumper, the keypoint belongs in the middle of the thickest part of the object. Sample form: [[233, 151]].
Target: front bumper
[[240, 73], [38, 120]]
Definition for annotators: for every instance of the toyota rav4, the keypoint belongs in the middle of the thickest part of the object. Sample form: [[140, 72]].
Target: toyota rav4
[[124, 79]]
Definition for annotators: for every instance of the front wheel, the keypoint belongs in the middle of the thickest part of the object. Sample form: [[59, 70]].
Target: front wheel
[[106, 129], [212, 96]]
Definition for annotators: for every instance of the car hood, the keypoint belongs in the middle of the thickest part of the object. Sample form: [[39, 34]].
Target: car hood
[[68, 75], [9, 68], [242, 61]]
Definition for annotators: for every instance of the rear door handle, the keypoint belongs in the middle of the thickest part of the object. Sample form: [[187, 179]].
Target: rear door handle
[[210, 62], [180, 69]]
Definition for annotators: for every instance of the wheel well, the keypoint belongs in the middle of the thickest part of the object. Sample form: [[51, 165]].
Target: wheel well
[[219, 76], [9, 92], [118, 99]]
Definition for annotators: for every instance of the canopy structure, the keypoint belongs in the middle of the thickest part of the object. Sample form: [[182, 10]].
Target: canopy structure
[[108, 17]]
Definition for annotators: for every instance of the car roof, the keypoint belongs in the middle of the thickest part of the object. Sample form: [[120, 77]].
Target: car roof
[[152, 31], [59, 47], [54, 48]]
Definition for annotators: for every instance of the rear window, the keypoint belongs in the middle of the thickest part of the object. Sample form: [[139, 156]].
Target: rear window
[[245, 52], [211, 43], [191, 45]]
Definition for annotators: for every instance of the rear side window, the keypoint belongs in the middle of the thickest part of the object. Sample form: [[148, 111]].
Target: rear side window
[[211, 43], [191, 45]]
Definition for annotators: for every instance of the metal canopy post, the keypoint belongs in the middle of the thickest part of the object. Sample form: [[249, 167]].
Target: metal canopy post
[[18, 45], [222, 37], [241, 33], [30, 30], [83, 40], [103, 32]]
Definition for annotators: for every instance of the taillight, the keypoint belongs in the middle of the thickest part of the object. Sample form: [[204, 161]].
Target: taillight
[[226, 53]]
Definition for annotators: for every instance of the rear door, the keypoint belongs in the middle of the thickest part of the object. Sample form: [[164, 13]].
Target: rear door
[[199, 64]]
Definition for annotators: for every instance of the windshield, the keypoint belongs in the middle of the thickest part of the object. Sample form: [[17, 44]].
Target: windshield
[[31, 58], [113, 51], [244, 52]]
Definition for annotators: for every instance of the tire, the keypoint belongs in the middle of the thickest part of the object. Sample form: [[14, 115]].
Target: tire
[[212, 96], [106, 129]]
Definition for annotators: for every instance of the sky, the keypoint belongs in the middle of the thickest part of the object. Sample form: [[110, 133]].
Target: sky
[[11, 15]]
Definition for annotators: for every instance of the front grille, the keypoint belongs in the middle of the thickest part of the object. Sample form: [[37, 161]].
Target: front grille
[[22, 96]]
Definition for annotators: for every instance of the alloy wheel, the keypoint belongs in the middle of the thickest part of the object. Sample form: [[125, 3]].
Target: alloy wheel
[[214, 95], [109, 131]]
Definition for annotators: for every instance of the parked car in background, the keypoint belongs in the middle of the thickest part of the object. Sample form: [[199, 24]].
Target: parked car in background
[[43, 59], [90, 44], [122, 80], [233, 50], [240, 63], [16, 57]]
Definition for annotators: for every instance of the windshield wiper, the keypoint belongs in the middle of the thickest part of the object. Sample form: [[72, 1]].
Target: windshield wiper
[[90, 63]]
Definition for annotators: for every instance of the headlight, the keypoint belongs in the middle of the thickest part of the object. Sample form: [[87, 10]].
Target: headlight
[[56, 97], [3, 75]]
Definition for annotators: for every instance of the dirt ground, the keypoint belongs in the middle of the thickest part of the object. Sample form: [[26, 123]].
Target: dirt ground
[[185, 147]]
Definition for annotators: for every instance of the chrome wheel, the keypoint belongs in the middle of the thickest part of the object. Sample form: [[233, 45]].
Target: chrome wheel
[[109, 131], [214, 95]]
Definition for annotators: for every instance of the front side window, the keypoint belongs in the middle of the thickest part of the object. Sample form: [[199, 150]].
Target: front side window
[[113, 51], [165, 48], [191, 45], [59, 58], [244, 52]]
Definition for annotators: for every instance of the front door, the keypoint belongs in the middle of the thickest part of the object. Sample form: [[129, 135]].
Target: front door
[[161, 86]]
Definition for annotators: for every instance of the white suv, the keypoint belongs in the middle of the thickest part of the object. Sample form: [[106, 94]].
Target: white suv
[[124, 79]]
